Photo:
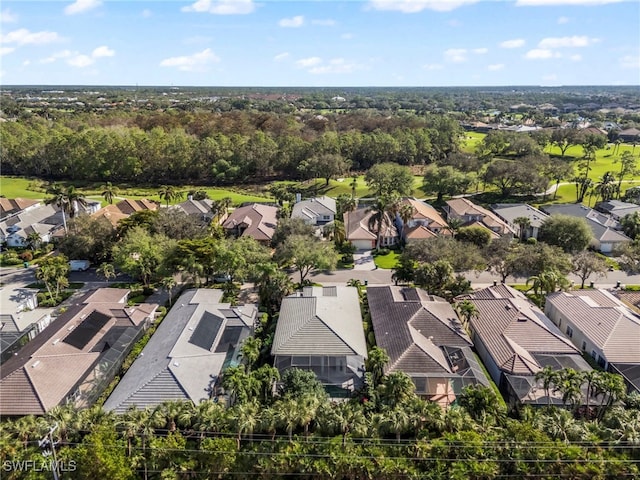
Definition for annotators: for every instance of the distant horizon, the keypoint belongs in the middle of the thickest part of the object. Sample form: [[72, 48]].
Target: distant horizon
[[134, 86], [322, 44]]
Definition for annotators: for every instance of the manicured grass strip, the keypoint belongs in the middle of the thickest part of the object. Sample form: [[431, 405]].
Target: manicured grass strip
[[388, 261]]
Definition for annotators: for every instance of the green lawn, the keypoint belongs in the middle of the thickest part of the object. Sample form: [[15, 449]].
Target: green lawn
[[387, 261], [18, 187]]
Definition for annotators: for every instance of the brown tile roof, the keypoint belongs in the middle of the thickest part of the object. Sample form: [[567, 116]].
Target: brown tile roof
[[419, 232], [261, 221], [513, 330], [424, 211], [51, 366], [357, 225], [10, 206], [129, 206]]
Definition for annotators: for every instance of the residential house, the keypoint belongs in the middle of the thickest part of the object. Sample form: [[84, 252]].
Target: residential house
[[602, 326], [465, 210], [315, 211], [257, 221], [362, 231], [76, 356], [183, 360], [424, 339], [201, 209], [13, 206], [320, 329], [425, 221], [123, 209], [617, 209], [515, 340], [509, 212], [605, 229], [629, 135]]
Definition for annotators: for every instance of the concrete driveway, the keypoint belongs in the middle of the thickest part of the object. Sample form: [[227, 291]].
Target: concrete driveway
[[363, 260]]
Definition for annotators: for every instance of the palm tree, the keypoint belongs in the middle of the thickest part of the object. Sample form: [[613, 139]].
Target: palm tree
[[396, 388], [397, 421], [34, 240], [606, 187], [375, 363], [549, 377], [354, 185], [167, 284], [406, 213], [380, 219], [109, 192], [569, 385], [169, 194], [467, 310], [246, 419], [106, 270], [250, 351], [523, 224], [210, 417], [59, 198], [74, 198], [454, 224]]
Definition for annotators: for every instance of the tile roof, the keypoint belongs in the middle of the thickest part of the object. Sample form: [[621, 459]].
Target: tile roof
[[603, 319], [51, 366], [11, 206], [412, 326], [261, 221], [424, 211], [357, 225], [314, 207], [320, 322], [513, 330], [196, 207], [174, 365], [463, 207]]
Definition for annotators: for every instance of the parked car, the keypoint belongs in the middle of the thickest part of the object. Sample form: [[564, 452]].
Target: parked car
[[79, 265]]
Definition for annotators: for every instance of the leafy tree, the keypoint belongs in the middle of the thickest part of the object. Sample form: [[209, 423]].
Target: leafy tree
[[533, 259], [89, 238], [563, 138], [345, 203], [144, 218], [306, 255], [273, 285], [631, 225], [101, 455], [141, 254], [461, 256], [482, 404], [444, 181], [298, 383], [628, 167], [501, 256], [281, 192], [106, 271], [324, 165], [478, 236], [291, 226], [588, 263], [389, 180], [516, 176], [629, 257], [572, 234]]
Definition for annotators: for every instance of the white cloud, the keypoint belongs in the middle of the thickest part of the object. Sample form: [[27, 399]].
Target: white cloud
[[57, 56], [480, 51], [23, 36], [347, 36], [563, 20], [327, 22], [550, 3], [575, 58], [541, 54], [26, 63], [281, 56], [415, 6], [567, 42], [335, 65], [146, 13], [456, 55], [103, 51], [309, 62], [515, 43], [432, 66], [6, 16], [630, 61], [192, 63], [221, 7], [81, 6], [81, 61], [6, 50], [293, 22], [495, 67]]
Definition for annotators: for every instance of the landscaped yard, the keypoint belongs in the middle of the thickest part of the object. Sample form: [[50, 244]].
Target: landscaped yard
[[387, 261]]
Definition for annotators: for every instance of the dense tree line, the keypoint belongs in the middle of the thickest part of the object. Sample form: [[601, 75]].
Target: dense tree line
[[219, 148]]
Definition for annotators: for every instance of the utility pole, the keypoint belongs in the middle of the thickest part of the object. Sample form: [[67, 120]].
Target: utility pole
[[47, 442]]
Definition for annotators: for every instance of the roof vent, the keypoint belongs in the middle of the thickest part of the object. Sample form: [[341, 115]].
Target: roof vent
[[55, 341], [35, 364], [507, 307], [522, 319], [176, 364]]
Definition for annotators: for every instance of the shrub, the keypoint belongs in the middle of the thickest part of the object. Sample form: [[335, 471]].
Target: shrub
[[26, 256], [146, 291], [11, 258]]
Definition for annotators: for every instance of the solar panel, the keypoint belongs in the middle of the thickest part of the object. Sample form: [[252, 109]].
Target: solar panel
[[84, 333], [205, 333], [230, 338]]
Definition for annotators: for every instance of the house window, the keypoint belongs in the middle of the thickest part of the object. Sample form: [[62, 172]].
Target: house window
[[601, 361], [559, 322], [594, 355], [584, 345], [326, 217], [569, 331]]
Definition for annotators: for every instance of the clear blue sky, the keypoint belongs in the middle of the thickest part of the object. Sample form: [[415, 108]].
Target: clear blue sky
[[320, 43]]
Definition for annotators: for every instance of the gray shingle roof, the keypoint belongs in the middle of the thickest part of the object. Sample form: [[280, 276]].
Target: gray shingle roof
[[603, 227], [314, 207], [315, 323], [509, 212], [171, 366]]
